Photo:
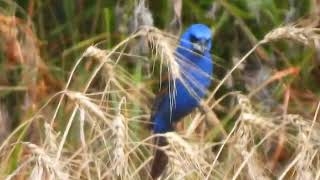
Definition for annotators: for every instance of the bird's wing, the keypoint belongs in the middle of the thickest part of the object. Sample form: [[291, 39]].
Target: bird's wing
[[160, 160], [163, 92]]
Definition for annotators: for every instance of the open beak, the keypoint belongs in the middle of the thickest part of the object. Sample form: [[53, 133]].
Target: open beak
[[199, 47]]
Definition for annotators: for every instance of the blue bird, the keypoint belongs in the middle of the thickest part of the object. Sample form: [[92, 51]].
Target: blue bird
[[196, 68]]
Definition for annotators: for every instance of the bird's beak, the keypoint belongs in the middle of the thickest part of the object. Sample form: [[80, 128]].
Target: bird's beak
[[200, 47]]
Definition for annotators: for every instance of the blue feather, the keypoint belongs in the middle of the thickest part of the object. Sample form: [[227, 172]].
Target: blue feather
[[196, 69]]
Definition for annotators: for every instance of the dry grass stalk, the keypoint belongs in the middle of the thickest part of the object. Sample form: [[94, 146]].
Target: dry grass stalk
[[120, 133], [185, 158], [255, 168], [164, 47], [45, 166], [86, 155], [245, 138], [50, 138], [307, 153], [250, 115], [306, 140], [86, 103], [306, 162], [309, 36], [103, 57], [94, 52], [115, 77]]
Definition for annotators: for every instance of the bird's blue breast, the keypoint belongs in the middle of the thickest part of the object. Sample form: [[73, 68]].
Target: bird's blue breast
[[196, 74]]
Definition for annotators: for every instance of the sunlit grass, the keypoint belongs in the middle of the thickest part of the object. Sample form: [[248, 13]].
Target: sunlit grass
[[93, 123]]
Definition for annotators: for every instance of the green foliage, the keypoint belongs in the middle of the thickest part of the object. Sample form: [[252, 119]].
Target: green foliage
[[63, 30]]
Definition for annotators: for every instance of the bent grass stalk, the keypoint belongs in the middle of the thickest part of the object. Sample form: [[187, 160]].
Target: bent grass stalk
[[127, 157]]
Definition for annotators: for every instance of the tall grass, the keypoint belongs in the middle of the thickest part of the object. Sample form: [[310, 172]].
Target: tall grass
[[87, 106]]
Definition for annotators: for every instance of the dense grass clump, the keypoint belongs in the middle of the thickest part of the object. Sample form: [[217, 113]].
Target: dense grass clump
[[77, 81]]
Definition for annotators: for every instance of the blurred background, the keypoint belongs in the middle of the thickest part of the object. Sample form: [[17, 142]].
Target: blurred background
[[40, 42]]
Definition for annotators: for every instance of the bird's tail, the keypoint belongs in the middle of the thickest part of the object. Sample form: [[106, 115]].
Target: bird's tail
[[160, 159]]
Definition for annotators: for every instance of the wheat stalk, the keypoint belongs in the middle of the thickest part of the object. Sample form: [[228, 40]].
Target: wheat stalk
[[120, 160], [309, 36]]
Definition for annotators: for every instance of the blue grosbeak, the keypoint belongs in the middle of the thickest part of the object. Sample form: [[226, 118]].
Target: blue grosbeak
[[196, 68]]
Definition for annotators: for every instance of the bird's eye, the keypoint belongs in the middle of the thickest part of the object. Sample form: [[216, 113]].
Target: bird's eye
[[193, 39]]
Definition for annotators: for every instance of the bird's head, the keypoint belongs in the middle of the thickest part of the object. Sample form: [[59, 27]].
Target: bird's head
[[197, 38]]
